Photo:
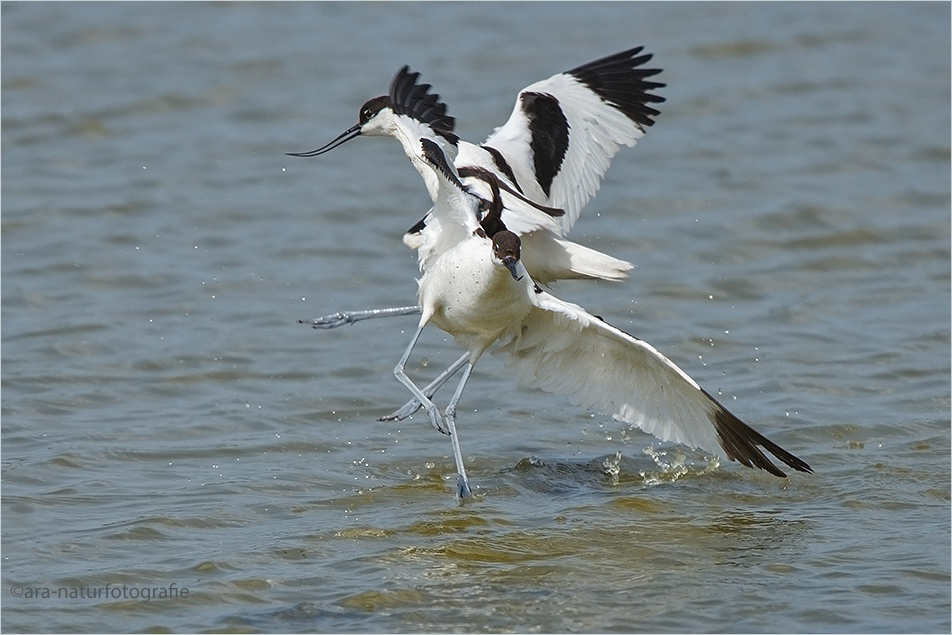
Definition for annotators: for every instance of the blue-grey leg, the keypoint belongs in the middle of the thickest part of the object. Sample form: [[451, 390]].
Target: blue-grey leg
[[400, 373], [414, 404], [350, 317], [462, 483]]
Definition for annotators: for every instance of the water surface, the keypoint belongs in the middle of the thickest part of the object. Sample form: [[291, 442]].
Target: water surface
[[166, 421]]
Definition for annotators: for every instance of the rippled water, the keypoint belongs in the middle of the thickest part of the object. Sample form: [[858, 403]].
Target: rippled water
[[166, 421]]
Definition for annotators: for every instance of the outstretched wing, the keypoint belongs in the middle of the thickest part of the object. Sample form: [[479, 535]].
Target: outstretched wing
[[564, 131], [565, 350], [413, 100]]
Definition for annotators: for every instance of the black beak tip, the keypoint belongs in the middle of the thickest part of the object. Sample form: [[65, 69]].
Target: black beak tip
[[342, 138]]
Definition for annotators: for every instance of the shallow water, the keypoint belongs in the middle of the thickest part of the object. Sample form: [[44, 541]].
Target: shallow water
[[166, 421]]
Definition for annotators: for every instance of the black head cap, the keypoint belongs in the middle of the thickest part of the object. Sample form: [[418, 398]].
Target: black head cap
[[373, 106]]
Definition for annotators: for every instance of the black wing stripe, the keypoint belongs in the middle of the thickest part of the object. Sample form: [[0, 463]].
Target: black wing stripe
[[549, 132], [503, 166], [418, 227], [435, 157], [496, 184]]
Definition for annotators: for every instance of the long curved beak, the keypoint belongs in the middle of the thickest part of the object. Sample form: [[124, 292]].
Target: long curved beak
[[346, 136], [510, 263]]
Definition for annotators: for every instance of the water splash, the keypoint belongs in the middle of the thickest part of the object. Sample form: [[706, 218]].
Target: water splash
[[673, 464], [612, 467]]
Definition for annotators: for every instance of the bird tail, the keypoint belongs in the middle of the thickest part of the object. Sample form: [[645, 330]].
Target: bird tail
[[548, 258]]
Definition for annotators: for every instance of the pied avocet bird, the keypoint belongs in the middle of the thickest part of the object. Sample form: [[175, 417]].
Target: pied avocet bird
[[547, 161], [551, 153], [477, 288], [480, 292]]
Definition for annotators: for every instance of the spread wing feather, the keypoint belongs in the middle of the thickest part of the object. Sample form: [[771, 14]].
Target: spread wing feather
[[565, 350], [565, 130]]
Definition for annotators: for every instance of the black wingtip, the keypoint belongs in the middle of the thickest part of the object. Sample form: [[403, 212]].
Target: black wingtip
[[741, 442], [621, 80], [414, 100]]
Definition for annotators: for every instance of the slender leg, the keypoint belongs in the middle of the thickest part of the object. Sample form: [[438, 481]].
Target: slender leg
[[462, 484], [400, 373], [413, 405], [349, 317]]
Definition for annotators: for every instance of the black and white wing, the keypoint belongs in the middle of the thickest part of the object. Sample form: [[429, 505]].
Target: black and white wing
[[564, 131], [565, 350]]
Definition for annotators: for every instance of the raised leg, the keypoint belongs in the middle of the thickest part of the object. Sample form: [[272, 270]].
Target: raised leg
[[400, 373], [462, 483], [350, 317], [413, 405]]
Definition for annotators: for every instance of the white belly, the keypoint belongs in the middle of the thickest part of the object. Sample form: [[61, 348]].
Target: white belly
[[470, 297]]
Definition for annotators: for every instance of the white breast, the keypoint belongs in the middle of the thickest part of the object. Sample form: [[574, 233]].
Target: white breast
[[473, 298]]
